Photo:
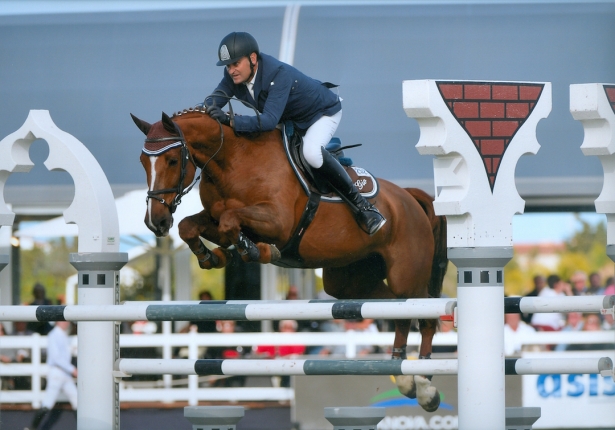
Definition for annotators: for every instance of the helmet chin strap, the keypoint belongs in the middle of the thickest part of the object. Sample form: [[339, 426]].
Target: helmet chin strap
[[251, 70]]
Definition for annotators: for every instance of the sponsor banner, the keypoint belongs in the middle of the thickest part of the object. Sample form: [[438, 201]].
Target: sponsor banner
[[571, 401]]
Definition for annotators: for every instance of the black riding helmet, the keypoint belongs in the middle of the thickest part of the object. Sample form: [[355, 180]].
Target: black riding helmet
[[235, 46]]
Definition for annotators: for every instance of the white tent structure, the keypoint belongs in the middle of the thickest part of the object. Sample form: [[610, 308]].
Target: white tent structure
[[131, 210]]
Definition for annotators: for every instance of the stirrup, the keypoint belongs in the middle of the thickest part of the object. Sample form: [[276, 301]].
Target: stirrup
[[370, 219]]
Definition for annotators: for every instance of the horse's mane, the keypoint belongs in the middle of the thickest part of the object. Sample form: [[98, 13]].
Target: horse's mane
[[201, 109], [195, 109]]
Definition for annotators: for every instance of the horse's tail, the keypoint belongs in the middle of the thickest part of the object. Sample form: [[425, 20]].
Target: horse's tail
[[438, 227]]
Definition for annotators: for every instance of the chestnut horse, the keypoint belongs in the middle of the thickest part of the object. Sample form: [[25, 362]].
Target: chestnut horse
[[253, 200]]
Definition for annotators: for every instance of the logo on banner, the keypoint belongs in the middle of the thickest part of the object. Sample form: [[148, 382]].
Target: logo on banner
[[394, 399]]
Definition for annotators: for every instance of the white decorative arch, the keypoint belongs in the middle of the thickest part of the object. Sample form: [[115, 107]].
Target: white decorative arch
[[93, 207], [594, 106]]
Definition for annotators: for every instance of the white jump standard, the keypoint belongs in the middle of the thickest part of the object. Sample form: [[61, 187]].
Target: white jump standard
[[477, 132]]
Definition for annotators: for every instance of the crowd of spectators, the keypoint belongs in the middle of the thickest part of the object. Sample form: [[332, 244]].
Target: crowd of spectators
[[579, 284], [515, 326]]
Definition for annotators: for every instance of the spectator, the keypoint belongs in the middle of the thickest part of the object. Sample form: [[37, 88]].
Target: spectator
[[595, 285], [608, 322], [226, 353], [366, 325], [60, 372], [335, 326], [271, 351], [303, 325], [20, 328], [574, 322], [579, 282], [609, 289], [40, 298], [202, 326], [591, 322], [7, 355], [539, 283], [293, 293], [551, 321], [514, 329]]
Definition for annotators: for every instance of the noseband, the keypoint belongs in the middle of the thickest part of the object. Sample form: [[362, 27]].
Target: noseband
[[179, 189]]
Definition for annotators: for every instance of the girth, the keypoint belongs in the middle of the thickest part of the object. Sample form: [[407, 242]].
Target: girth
[[290, 251]]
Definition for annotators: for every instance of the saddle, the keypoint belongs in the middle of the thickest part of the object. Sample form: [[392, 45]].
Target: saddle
[[317, 188], [310, 179]]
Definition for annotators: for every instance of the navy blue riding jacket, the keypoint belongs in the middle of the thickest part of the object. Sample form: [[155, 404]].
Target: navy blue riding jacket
[[282, 94]]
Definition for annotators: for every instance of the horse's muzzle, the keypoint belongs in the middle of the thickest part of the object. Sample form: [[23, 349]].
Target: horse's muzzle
[[160, 226]]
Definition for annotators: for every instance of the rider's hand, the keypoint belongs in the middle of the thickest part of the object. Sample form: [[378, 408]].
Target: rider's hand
[[216, 113]]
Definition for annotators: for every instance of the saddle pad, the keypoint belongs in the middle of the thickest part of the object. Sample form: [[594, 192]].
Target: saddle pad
[[365, 182]]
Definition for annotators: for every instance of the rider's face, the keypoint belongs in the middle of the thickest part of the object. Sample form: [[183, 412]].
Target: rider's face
[[240, 70]]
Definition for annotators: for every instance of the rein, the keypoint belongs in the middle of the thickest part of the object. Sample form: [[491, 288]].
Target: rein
[[185, 154]]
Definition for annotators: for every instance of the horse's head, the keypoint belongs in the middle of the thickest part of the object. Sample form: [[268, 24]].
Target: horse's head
[[170, 170]]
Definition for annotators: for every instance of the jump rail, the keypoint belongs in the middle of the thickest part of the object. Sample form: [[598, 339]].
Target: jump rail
[[125, 367], [254, 310], [236, 310]]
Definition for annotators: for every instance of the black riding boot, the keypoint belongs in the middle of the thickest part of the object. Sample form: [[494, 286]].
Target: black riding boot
[[366, 214]]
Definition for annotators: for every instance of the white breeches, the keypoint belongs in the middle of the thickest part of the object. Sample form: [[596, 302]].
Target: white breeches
[[317, 136], [59, 380]]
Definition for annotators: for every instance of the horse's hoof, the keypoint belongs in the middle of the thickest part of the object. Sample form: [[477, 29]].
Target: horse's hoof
[[427, 395], [406, 385]]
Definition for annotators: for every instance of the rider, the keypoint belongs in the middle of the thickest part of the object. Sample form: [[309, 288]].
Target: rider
[[280, 93]]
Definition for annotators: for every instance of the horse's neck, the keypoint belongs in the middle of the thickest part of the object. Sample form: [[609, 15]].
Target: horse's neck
[[241, 154]]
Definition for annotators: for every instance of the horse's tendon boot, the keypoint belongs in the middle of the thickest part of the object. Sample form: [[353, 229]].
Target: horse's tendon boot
[[247, 247]]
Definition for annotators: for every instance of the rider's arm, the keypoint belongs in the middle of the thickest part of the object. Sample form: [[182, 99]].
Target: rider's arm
[[278, 92], [225, 86]]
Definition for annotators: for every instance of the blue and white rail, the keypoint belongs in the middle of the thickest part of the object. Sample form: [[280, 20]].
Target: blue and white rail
[[125, 367], [237, 310], [256, 310]]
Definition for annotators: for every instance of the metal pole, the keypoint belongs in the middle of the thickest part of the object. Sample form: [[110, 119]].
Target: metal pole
[[98, 393], [480, 295]]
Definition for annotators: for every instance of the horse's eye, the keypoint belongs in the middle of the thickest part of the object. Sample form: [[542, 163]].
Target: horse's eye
[[173, 162]]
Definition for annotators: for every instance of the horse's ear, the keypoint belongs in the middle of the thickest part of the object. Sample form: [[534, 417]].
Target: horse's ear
[[168, 124], [143, 126]]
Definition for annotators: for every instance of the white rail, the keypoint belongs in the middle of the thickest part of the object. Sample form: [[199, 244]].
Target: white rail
[[192, 341]]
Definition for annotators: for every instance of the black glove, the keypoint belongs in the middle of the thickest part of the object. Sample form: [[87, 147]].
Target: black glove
[[216, 113]]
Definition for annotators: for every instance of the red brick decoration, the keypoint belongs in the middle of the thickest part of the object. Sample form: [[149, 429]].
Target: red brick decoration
[[610, 95], [491, 113]]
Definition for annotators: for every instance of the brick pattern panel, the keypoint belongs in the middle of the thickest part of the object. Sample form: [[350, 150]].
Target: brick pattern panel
[[610, 95], [491, 113]]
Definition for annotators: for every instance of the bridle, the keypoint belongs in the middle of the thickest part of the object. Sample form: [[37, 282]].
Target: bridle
[[185, 156]]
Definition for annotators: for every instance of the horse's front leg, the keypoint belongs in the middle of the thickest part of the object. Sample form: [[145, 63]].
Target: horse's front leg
[[191, 229], [258, 220]]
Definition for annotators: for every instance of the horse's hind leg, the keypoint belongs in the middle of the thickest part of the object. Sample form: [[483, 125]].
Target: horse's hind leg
[[427, 395], [411, 281]]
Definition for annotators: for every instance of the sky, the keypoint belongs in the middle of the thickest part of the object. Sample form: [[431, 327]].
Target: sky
[[550, 227]]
